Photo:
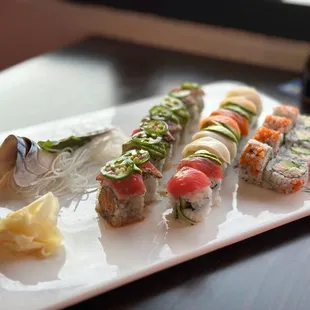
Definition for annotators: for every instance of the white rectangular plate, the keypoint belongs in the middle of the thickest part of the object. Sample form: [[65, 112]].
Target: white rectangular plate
[[96, 259]]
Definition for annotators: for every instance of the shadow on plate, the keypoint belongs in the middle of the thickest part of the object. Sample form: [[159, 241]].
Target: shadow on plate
[[252, 200], [132, 246], [29, 270]]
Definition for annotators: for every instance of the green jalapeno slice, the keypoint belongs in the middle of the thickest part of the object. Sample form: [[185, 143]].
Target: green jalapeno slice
[[156, 127], [139, 157], [119, 169]]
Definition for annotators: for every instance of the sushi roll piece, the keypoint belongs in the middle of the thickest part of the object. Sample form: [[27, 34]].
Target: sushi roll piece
[[159, 128], [162, 113], [223, 120], [211, 166], [249, 93], [190, 195], [191, 95], [303, 121], [242, 121], [296, 152], [242, 106], [121, 193], [287, 111], [211, 145], [196, 91], [271, 137], [298, 136], [278, 123], [150, 174], [221, 134], [253, 161], [152, 143], [285, 175], [180, 110]]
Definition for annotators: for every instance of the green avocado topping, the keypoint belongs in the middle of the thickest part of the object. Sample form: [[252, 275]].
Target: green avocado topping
[[206, 154], [238, 109], [222, 130]]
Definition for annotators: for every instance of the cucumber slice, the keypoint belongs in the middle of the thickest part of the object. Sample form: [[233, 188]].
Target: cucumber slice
[[179, 206], [300, 150]]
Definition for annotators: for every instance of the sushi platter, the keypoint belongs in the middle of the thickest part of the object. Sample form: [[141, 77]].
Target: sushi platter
[[95, 201]]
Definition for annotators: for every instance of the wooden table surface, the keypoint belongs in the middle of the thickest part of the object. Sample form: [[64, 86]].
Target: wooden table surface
[[269, 271]]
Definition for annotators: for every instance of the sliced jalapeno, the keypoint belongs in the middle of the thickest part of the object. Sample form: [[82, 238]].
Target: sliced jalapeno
[[156, 127], [172, 103], [160, 112], [178, 108], [139, 157], [143, 138], [119, 169], [180, 94], [189, 85]]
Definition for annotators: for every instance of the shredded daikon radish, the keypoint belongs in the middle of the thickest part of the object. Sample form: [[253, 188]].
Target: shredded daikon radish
[[73, 172]]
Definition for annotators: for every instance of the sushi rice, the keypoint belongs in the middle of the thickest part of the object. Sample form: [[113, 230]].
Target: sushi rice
[[193, 207], [287, 111], [285, 175], [298, 136], [253, 161]]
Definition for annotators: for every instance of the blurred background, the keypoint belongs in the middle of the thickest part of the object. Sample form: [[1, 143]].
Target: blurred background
[[269, 33]]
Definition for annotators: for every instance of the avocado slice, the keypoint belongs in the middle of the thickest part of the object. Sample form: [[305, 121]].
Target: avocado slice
[[220, 129], [206, 154], [233, 130], [300, 150], [302, 135], [240, 106], [236, 108]]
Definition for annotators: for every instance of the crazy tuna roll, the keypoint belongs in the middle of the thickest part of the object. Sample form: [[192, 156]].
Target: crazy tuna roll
[[191, 94], [271, 137], [121, 193], [287, 111], [285, 175], [211, 145], [241, 105], [249, 93], [162, 113], [221, 134], [253, 161], [242, 121], [159, 128], [279, 123], [190, 195], [223, 120], [152, 143], [150, 174], [210, 165], [180, 110]]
